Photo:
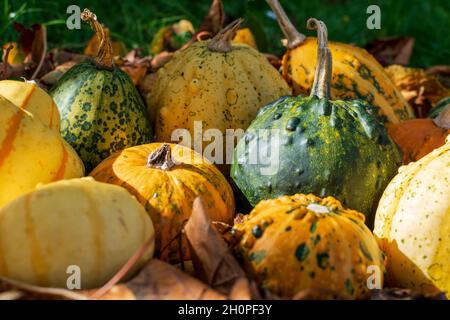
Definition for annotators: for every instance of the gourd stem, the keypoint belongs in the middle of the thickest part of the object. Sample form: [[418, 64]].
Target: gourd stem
[[161, 158], [443, 119], [104, 58], [294, 38], [322, 78], [222, 40]]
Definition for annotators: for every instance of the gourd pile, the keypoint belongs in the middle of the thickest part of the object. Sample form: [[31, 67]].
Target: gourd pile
[[360, 183]]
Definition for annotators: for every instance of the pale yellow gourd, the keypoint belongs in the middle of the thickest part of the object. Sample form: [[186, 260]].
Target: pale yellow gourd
[[413, 224], [79, 222], [31, 153], [28, 96]]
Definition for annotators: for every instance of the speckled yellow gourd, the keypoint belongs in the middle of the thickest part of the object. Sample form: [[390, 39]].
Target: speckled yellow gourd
[[356, 73], [245, 36], [166, 178], [302, 242], [413, 224], [31, 153], [78, 222], [220, 84], [28, 96]]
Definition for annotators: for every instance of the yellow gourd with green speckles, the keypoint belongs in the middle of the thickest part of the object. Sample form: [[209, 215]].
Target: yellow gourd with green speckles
[[72, 227], [302, 241], [356, 73], [413, 223], [166, 179], [219, 84]]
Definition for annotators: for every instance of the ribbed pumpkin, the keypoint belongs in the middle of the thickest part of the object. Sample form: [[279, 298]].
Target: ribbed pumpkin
[[356, 74], [77, 222], [317, 145], [30, 153], [216, 83], [418, 137], [413, 224], [302, 241], [28, 96], [166, 185], [101, 110]]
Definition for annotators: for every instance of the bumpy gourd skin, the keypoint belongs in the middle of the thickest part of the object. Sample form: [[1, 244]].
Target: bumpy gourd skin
[[413, 224], [301, 241], [101, 112], [329, 148], [224, 90], [356, 75]]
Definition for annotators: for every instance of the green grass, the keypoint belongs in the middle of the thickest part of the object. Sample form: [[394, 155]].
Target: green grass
[[136, 21]]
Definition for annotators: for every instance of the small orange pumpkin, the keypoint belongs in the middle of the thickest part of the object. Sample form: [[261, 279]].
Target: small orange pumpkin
[[418, 137], [166, 178]]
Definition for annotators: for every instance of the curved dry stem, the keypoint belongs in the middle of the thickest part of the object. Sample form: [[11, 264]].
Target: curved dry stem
[[222, 41], [294, 38], [104, 58], [322, 78]]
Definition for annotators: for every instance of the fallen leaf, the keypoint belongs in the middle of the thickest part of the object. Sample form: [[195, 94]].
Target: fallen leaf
[[396, 50], [53, 76], [61, 56], [274, 60], [214, 20], [159, 280], [213, 260], [421, 90], [16, 290], [134, 65], [33, 43], [318, 294], [404, 294], [160, 60]]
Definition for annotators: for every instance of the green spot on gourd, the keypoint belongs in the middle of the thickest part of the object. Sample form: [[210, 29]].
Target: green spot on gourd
[[302, 252]]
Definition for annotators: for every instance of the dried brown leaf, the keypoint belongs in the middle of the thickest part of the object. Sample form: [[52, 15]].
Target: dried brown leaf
[[214, 20], [318, 294], [404, 294], [213, 260], [161, 281], [161, 59], [421, 90], [134, 65], [16, 290], [53, 76], [396, 50]]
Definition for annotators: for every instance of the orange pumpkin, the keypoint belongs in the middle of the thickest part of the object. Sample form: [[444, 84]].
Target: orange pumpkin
[[418, 137], [166, 185]]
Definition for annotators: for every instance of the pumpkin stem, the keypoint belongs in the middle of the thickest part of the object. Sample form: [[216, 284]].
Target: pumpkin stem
[[104, 58], [222, 40], [443, 119], [294, 38], [161, 158], [322, 78]]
